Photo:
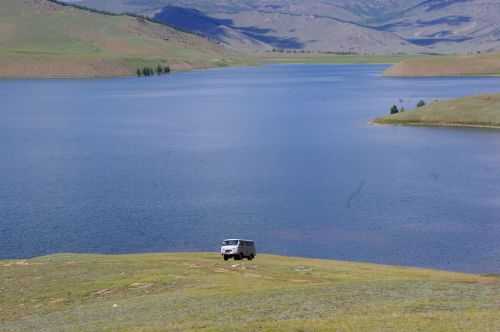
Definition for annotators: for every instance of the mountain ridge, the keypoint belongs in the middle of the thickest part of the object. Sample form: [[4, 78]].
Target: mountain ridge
[[360, 26]]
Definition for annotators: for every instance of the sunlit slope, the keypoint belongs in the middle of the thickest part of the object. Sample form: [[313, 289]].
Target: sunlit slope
[[39, 38], [201, 292], [465, 65], [381, 27], [476, 111]]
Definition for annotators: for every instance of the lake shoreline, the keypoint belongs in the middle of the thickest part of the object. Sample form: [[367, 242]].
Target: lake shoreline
[[246, 60], [431, 124], [479, 65], [21, 261], [462, 75], [480, 111], [89, 76]]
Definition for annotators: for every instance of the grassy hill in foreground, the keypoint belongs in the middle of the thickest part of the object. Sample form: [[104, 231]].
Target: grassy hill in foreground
[[201, 292], [452, 65], [476, 111], [39, 38]]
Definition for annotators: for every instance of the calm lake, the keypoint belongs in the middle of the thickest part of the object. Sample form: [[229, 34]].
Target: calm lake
[[280, 154]]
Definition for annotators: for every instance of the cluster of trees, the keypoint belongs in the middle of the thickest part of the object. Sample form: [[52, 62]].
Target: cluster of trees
[[395, 109], [150, 71], [302, 51], [340, 53], [281, 50]]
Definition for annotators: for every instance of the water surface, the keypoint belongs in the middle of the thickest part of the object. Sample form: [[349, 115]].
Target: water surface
[[280, 154]]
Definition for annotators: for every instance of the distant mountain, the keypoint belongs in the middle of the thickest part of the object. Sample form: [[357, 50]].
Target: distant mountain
[[449, 25], [40, 38], [362, 26]]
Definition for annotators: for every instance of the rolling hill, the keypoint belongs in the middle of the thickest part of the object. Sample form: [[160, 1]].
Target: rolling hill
[[40, 38], [359, 26], [201, 292]]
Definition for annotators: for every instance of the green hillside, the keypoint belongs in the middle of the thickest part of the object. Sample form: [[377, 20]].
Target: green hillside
[[201, 292], [476, 111], [39, 38]]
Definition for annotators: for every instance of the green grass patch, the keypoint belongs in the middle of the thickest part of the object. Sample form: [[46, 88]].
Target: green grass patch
[[475, 111], [201, 292]]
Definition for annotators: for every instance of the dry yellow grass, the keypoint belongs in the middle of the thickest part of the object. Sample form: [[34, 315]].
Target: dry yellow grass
[[458, 65], [475, 111]]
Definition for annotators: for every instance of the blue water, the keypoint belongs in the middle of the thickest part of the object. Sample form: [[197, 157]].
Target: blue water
[[280, 154]]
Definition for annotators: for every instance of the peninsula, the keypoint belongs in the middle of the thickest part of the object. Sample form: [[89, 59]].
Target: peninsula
[[477, 111]]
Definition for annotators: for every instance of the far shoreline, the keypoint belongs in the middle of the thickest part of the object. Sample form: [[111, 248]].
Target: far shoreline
[[463, 75], [453, 65], [433, 124], [246, 60], [480, 111]]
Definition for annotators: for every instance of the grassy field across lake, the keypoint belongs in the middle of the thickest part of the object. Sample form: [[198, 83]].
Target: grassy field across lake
[[323, 58], [475, 111], [449, 65], [201, 292]]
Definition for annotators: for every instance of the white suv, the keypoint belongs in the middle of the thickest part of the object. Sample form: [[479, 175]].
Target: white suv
[[238, 249]]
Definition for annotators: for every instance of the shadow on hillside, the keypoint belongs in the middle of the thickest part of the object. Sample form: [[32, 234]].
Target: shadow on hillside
[[195, 21]]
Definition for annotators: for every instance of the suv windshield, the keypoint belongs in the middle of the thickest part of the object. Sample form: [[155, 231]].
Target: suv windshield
[[230, 243]]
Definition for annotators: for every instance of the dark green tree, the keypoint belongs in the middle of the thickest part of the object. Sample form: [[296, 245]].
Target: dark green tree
[[147, 71], [166, 69], [159, 70], [394, 109], [421, 103], [139, 72]]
